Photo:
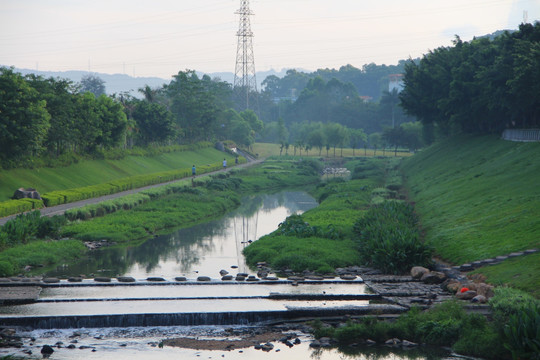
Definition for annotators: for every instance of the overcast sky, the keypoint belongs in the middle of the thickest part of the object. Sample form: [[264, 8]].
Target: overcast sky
[[161, 37]]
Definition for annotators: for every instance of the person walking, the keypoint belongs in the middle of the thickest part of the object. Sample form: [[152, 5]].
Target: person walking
[[193, 170], [224, 163]]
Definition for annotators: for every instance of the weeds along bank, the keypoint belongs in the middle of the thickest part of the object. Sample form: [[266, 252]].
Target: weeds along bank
[[140, 216], [478, 198]]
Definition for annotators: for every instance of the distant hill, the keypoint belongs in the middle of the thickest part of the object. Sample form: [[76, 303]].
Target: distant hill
[[119, 83]]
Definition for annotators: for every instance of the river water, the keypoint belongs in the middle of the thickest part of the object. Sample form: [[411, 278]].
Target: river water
[[203, 249], [199, 250]]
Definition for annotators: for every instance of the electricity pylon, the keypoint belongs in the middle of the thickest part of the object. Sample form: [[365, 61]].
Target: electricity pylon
[[244, 75]]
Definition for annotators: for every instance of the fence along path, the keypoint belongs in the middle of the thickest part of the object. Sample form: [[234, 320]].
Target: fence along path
[[525, 135]]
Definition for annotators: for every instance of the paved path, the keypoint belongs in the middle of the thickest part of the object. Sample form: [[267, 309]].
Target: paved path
[[61, 209]]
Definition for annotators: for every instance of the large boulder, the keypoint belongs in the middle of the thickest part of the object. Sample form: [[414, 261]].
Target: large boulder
[[433, 277], [466, 295], [418, 271], [22, 193], [484, 290]]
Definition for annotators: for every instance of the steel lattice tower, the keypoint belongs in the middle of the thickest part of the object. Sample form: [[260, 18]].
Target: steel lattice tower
[[244, 74]]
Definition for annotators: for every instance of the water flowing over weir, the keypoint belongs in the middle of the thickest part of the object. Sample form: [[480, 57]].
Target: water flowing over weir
[[89, 305]]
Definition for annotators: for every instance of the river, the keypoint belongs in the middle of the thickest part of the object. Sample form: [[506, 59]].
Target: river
[[204, 249]]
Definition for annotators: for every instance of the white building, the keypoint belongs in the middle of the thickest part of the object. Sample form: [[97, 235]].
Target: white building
[[395, 81]]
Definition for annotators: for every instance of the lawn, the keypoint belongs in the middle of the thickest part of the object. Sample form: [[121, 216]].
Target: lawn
[[91, 172], [478, 198]]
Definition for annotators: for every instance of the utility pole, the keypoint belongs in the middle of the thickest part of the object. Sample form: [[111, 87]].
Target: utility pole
[[244, 75]]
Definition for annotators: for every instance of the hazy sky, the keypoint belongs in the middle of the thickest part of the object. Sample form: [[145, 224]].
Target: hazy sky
[[162, 37]]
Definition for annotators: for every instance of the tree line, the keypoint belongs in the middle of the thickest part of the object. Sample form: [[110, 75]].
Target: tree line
[[52, 117], [482, 86]]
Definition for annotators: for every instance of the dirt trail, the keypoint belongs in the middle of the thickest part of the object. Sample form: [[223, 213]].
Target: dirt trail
[[61, 209]]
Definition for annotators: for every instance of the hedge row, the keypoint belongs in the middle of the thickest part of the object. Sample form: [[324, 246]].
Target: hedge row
[[112, 187], [59, 197], [11, 207], [130, 201]]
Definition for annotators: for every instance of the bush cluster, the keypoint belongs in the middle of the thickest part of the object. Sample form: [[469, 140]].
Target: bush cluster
[[367, 168], [27, 226], [294, 225], [514, 331], [388, 238]]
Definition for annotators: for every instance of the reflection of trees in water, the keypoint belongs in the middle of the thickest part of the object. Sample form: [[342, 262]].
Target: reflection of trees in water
[[187, 246]]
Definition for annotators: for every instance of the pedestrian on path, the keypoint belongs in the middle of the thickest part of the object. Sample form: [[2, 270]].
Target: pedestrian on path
[[193, 170], [224, 163]]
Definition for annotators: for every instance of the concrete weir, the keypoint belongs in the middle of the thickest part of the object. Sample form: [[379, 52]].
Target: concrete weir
[[191, 318], [215, 303]]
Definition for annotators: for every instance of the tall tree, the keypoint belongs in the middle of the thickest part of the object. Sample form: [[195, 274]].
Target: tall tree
[[195, 104], [24, 120], [154, 122], [357, 138], [94, 84]]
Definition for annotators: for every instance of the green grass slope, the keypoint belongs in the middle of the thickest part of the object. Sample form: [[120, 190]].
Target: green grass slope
[[93, 172], [479, 197]]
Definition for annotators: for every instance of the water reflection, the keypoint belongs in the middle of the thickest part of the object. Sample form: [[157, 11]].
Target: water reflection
[[203, 249]]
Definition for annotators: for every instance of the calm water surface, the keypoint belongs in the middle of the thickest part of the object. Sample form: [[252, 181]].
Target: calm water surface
[[199, 250]]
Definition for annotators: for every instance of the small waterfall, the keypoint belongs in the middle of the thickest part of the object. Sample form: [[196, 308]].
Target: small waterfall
[[186, 319]]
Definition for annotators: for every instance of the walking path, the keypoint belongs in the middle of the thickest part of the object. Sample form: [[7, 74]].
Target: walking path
[[61, 209]]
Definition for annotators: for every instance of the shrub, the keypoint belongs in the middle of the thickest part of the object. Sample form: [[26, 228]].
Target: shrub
[[522, 333], [294, 225], [388, 238], [515, 314], [479, 339], [21, 228], [6, 268], [50, 226], [509, 301]]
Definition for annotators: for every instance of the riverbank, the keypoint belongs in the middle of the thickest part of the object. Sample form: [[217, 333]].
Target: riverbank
[[211, 196], [478, 198], [90, 172]]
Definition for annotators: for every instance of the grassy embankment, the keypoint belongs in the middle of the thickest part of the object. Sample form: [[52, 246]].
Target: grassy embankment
[[478, 198], [173, 206], [92, 172]]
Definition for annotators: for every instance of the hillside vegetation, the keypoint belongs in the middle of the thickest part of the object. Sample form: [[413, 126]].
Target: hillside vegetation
[[477, 198]]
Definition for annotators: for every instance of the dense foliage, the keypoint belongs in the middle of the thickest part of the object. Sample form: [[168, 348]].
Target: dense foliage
[[482, 86], [54, 118], [512, 333], [29, 226], [388, 238]]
